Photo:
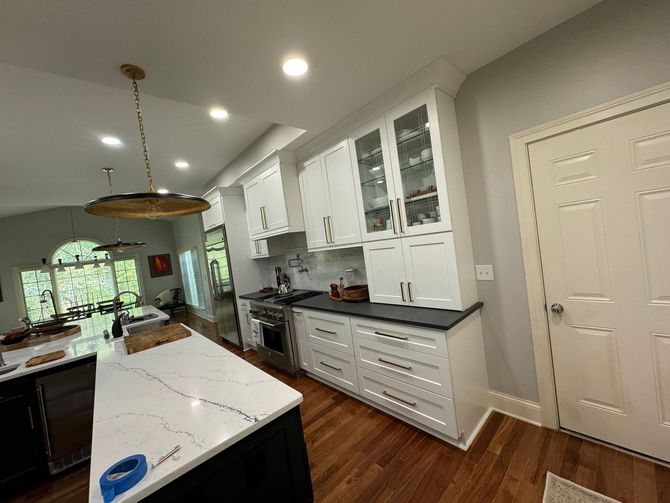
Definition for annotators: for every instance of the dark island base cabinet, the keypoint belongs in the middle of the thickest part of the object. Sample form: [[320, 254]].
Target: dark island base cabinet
[[22, 459], [268, 465]]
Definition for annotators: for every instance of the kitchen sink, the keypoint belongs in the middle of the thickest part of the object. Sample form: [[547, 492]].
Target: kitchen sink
[[145, 317], [8, 368]]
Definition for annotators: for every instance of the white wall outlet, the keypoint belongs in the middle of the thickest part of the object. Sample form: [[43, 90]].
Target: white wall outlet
[[484, 272]]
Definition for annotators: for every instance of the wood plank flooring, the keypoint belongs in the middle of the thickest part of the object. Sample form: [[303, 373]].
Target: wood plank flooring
[[357, 453]]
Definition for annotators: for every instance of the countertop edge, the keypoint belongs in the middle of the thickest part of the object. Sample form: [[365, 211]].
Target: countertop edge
[[463, 315]]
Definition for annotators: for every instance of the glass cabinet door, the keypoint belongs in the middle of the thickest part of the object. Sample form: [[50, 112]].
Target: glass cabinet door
[[376, 185], [420, 190]]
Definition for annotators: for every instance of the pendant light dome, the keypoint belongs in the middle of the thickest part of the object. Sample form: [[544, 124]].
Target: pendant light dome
[[118, 246], [150, 204]]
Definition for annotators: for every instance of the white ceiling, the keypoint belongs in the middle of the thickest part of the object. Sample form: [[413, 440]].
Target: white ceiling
[[208, 52]]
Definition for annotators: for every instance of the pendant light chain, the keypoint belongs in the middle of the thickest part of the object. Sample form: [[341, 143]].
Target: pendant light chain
[[140, 122]]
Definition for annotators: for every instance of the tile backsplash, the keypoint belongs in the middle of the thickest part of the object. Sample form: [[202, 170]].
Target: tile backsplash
[[324, 268]]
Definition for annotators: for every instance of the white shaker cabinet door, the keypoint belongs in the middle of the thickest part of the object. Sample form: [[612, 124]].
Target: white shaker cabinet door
[[255, 199], [315, 204], [385, 269], [276, 215], [343, 221], [432, 274]]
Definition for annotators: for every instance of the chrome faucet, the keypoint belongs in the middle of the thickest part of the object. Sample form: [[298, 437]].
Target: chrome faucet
[[117, 330]]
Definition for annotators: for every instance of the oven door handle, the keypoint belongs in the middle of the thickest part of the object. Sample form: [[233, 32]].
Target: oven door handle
[[271, 325]]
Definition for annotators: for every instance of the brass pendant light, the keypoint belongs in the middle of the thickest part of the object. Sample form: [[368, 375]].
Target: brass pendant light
[[119, 246], [150, 204]]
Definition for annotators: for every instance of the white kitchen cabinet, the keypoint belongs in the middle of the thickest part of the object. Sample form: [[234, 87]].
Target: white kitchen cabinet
[[385, 269], [402, 171], [315, 204], [418, 271], [373, 177], [213, 217], [245, 323], [273, 199], [328, 196], [259, 248], [300, 327], [329, 330]]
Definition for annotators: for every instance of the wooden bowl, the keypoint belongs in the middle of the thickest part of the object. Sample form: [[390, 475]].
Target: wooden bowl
[[355, 293]]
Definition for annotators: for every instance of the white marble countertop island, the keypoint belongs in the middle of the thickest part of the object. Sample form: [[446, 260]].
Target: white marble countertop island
[[192, 393], [87, 342]]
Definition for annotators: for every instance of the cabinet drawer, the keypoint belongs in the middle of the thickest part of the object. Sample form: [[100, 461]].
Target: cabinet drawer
[[432, 342], [418, 369], [429, 409], [334, 366], [330, 330]]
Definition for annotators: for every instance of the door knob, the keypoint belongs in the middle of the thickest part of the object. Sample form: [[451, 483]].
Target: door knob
[[557, 308]]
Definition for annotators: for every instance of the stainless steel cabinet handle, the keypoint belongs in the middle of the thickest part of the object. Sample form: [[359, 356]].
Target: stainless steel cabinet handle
[[392, 336], [43, 415], [395, 231], [262, 217], [399, 216], [409, 291], [325, 229], [330, 366], [325, 331], [402, 291], [557, 308], [30, 417], [265, 212], [406, 367], [247, 317], [413, 404], [330, 227], [271, 325]]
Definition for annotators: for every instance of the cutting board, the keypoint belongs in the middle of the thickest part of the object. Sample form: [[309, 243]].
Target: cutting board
[[155, 337], [49, 357]]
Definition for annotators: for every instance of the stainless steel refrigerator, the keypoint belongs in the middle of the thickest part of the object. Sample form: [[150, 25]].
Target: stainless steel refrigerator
[[222, 287]]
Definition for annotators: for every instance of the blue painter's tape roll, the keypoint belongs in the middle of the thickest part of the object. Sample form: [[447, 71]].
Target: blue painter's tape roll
[[122, 475]]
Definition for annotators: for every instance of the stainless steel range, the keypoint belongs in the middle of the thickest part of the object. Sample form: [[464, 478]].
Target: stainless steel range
[[277, 345]]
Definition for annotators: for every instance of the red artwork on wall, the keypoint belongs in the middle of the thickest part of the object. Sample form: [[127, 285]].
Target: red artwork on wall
[[160, 265]]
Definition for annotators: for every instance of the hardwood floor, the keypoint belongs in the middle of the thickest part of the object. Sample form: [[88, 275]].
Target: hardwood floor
[[357, 453]]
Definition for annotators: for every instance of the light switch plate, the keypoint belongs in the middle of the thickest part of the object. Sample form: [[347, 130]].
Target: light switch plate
[[484, 272]]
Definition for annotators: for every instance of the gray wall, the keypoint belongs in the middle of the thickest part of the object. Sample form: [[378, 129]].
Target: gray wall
[[613, 49], [26, 238], [188, 233]]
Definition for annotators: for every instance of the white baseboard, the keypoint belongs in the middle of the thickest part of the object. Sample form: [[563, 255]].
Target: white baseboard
[[526, 410]]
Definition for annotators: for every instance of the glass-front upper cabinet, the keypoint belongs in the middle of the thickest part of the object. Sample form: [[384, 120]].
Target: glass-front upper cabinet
[[376, 194], [418, 164]]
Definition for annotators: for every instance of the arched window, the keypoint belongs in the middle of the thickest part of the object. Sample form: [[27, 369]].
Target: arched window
[[68, 251], [86, 287]]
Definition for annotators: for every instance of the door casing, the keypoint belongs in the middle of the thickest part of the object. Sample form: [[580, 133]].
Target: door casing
[[519, 142]]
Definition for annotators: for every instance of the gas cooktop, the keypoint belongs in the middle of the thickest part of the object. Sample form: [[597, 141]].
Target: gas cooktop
[[291, 297]]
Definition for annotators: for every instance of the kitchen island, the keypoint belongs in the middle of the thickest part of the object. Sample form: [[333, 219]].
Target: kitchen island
[[235, 424], [238, 427]]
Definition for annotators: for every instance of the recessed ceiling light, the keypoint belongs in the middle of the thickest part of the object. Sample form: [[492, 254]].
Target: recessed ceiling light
[[380, 181], [111, 140], [181, 164], [163, 191], [376, 168], [218, 113], [295, 67]]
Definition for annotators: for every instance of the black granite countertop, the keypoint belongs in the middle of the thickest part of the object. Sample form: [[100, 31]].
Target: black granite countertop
[[440, 319]]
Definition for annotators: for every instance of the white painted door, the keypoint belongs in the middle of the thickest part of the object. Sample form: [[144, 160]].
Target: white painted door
[[255, 200], [315, 204], [276, 215], [385, 270], [343, 222], [602, 197], [432, 274]]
